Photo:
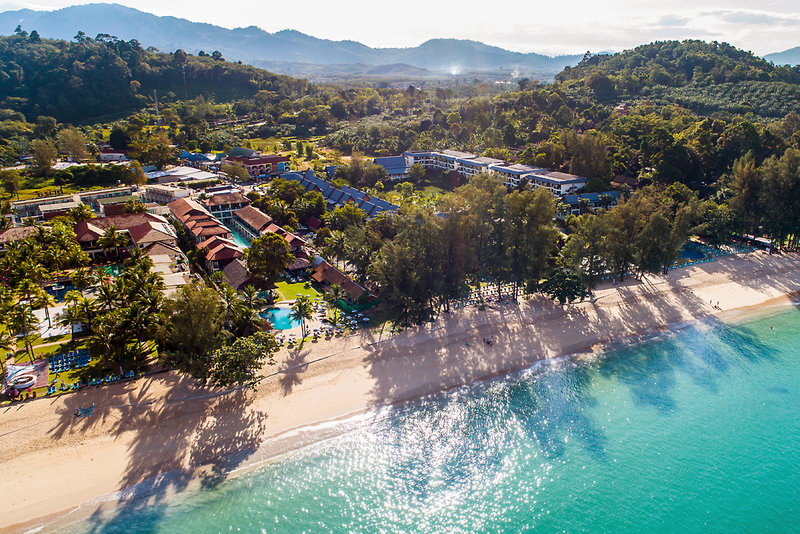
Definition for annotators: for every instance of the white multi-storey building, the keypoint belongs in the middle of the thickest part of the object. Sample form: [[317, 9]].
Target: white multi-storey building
[[513, 175]]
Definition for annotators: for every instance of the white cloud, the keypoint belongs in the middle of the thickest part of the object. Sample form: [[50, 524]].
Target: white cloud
[[566, 26]]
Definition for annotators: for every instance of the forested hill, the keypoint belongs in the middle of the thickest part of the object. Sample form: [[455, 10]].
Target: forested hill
[[705, 77], [92, 78]]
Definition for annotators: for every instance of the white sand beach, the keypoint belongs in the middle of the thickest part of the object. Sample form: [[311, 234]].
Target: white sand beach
[[52, 461]]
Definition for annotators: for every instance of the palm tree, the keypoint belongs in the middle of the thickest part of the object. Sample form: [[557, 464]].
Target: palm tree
[[230, 303], [5, 210], [23, 322], [81, 278], [134, 206], [106, 296], [112, 240], [335, 245], [81, 213], [302, 309], [43, 299], [8, 342], [27, 290], [336, 294], [251, 298], [69, 316], [137, 257]]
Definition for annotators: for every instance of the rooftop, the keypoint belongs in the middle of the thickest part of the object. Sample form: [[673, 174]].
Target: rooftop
[[16, 234], [116, 200], [68, 205], [254, 217], [457, 154], [558, 177], [224, 199]]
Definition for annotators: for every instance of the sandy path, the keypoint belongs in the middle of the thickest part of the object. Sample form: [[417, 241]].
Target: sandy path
[[166, 422]]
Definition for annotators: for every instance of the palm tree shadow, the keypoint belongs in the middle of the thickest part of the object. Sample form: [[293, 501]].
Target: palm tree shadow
[[188, 436]]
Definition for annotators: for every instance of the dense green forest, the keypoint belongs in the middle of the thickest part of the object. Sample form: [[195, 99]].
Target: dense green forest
[[91, 78], [729, 172], [706, 78]]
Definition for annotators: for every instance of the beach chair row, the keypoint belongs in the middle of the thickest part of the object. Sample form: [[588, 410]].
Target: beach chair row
[[69, 360], [54, 387]]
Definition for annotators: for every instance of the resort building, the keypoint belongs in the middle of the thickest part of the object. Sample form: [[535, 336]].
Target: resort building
[[143, 231], [198, 220], [51, 211], [250, 223], [221, 252], [335, 197], [223, 205], [18, 233], [238, 276], [558, 183], [90, 198], [112, 154], [262, 166], [25, 209], [114, 205], [395, 166], [577, 203], [327, 274], [513, 175], [180, 174], [163, 194]]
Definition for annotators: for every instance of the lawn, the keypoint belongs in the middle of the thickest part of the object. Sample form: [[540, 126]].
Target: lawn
[[291, 291], [48, 350]]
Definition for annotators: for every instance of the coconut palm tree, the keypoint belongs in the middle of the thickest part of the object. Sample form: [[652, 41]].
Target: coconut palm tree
[[335, 245], [112, 240], [302, 309], [43, 299], [8, 342], [134, 206], [81, 213], [251, 298], [6, 209], [24, 323], [106, 296], [81, 278], [69, 316], [335, 294]]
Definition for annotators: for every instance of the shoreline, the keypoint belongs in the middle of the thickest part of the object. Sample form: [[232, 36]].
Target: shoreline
[[319, 387]]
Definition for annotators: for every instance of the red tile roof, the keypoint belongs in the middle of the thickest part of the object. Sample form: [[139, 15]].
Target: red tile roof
[[182, 207], [149, 233], [220, 249], [254, 217], [328, 274]]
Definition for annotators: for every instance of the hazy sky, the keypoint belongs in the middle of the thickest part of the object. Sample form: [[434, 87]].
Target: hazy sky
[[553, 26]]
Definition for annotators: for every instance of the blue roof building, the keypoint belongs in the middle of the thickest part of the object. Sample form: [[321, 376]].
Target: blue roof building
[[395, 166], [336, 197]]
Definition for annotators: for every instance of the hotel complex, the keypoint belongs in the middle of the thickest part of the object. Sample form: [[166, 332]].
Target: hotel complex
[[469, 165]]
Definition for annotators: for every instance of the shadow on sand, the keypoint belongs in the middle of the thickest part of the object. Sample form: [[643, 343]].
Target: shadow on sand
[[217, 432]]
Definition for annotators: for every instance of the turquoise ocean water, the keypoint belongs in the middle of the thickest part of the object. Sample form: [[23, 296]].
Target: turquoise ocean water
[[697, 431]]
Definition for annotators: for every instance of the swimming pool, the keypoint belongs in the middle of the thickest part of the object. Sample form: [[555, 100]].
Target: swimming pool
[[59, 290], [113, 270], [279, 318]]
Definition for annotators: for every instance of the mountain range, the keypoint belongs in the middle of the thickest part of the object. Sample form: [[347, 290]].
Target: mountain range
[[787, 57], [288, 51]]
